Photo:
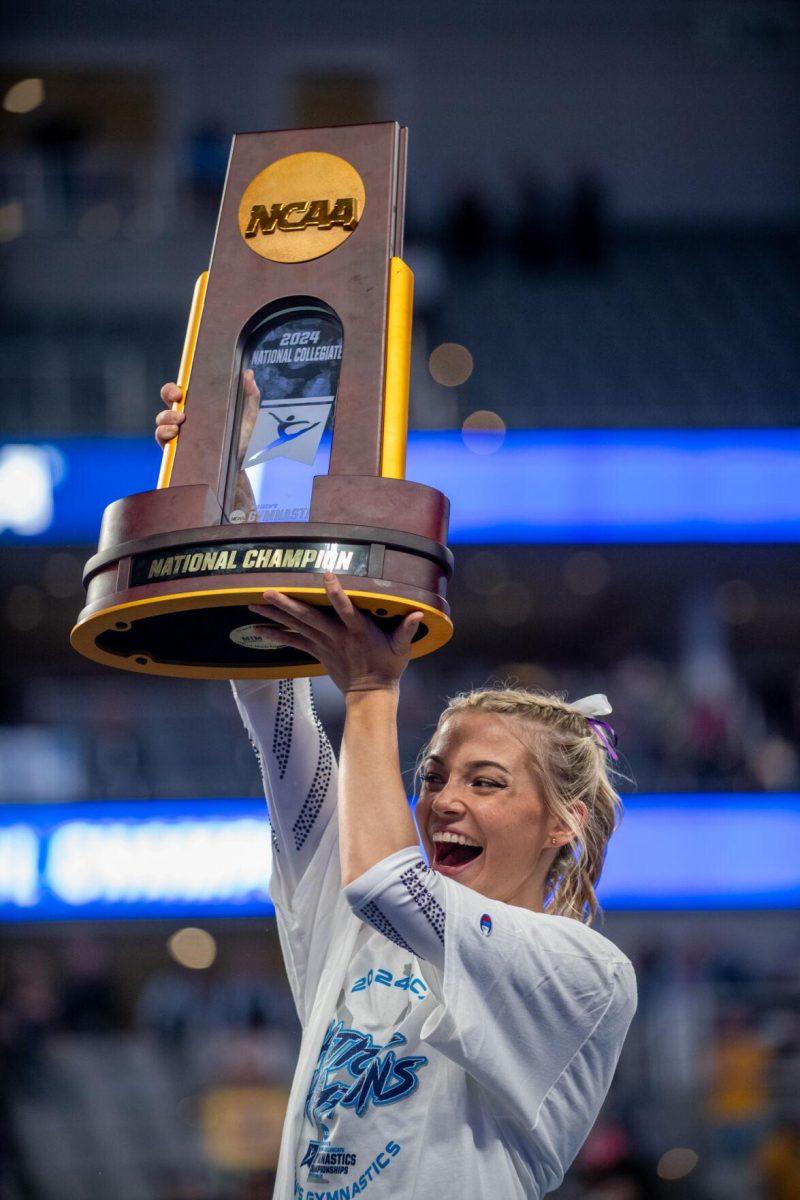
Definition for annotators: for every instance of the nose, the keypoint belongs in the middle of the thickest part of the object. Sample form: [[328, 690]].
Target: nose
[[447, 801]]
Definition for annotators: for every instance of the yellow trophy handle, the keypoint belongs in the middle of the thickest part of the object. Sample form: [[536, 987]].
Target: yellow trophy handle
[[398, 370], [184, 372]]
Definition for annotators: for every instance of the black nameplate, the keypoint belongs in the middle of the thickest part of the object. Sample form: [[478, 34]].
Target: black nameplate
[[243, 558]]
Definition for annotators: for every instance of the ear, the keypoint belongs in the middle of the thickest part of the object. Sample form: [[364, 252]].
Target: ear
[[562, 832]]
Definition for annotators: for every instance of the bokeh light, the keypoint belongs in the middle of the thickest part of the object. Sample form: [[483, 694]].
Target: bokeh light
[[193, 947], [450, 364], [11, 221], [24, 607], [677, 1163], [586, 573], [62, 575], [511, 605], [484, 572], [24, 96], [532, 675], [144, 223], [483, 432], [736, 601], [99, 223]]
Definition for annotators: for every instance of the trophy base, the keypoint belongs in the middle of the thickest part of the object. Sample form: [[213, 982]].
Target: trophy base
[[178, 603], [211, 633]]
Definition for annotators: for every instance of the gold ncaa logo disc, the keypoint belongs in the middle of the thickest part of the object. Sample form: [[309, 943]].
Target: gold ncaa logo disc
[[301, 207]]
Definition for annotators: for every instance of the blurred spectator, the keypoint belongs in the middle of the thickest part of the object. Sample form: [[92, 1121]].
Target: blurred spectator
[[245, 997], [88, 993], [177, 1186], [534, 236], [737, 1097], [587, 223], [737, 1102], [170, 1006], [258, 1186], [469, 230], [779, 1161], [608, 1165], [61, 139], [784, 1035], [241, 1125], [29, 1015], [774, 763], [208, 149]]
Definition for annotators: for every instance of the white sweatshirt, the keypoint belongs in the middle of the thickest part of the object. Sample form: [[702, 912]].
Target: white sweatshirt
[[452, 1045]]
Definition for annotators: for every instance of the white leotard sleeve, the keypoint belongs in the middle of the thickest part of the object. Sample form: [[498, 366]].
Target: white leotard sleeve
[[300, 774], [405, 901], [298, 769]]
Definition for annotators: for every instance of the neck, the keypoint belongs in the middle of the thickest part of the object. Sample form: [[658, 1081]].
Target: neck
[[529, 895]]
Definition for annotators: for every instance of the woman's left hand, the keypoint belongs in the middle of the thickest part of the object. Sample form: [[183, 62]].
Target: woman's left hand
[[357, 655]]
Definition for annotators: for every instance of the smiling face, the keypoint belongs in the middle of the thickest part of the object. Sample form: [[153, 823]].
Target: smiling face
[[478, 787]]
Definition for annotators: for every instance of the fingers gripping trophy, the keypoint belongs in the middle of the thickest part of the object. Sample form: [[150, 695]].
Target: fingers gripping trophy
[[285, 435]]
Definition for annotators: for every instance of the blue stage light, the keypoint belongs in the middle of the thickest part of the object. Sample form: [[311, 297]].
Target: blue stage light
[[212, 858], [589, 486]]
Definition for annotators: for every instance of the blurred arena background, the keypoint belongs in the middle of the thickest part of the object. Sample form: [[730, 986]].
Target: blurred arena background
[[603, 223]]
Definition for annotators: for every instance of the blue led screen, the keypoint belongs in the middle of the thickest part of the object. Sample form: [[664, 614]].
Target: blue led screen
[[554, 486], [212, 858]]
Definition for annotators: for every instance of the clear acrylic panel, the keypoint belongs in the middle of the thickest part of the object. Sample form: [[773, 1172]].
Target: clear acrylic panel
[[284, 434]]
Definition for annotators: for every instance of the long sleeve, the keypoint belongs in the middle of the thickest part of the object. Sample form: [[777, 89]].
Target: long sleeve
[[297, 765], [405, 901], [300, 777]]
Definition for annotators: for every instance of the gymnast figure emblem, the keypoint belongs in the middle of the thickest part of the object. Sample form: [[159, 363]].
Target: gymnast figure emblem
[[289, 428]]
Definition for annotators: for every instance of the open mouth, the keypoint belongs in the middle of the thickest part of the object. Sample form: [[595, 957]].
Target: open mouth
[[451, 857]]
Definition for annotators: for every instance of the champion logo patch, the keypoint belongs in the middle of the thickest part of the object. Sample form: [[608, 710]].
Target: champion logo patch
[[486, 925]]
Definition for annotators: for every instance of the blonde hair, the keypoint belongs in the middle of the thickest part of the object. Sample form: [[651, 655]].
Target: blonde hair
[[571, 767]]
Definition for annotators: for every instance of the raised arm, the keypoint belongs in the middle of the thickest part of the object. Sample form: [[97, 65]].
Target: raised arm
[[386, 881], [366, 665]]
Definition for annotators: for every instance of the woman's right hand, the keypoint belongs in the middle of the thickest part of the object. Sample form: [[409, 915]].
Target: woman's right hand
[[169, 422]]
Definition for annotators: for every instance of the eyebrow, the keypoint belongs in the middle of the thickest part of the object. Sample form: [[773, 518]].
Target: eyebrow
[[478, 762]]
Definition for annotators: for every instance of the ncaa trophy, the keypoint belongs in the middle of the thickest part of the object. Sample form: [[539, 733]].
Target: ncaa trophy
[[274, 485]]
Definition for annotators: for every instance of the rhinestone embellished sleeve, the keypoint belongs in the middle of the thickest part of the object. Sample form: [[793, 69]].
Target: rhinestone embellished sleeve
[[297, 764], [404, 900]]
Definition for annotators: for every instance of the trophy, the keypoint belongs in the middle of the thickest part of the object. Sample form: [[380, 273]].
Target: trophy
[[299, 469]]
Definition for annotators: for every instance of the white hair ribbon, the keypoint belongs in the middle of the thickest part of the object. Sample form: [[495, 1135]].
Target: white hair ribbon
[[593, 709], [592, 706]]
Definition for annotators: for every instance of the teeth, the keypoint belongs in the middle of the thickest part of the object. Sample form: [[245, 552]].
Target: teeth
[[454, 837]]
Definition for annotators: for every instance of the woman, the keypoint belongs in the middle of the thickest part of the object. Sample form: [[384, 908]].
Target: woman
[[458, 1039]]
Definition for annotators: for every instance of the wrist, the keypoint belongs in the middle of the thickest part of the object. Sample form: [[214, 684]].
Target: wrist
[[367, 695]]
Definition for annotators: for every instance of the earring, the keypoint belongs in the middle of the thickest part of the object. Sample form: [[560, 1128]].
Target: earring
[[553, 841]]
